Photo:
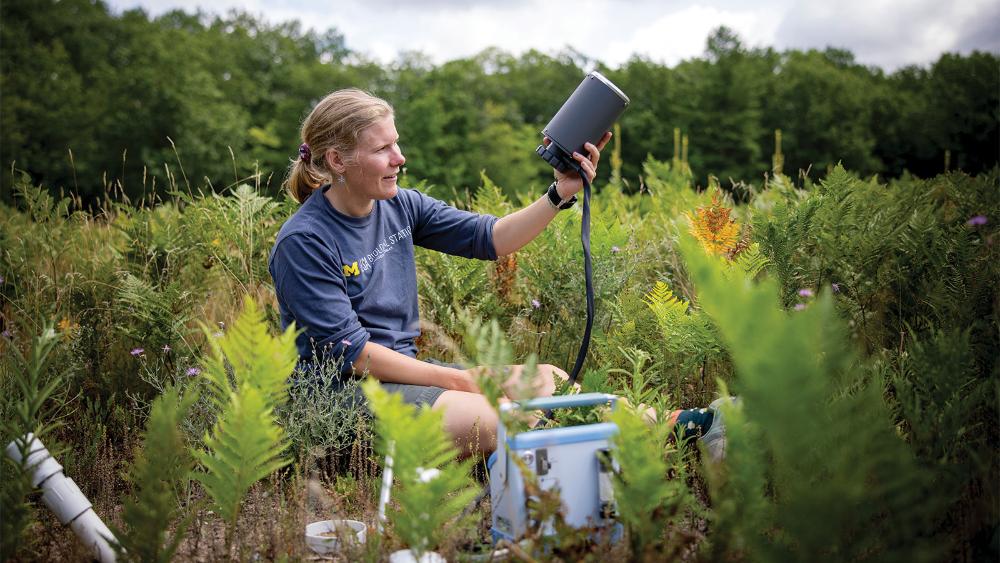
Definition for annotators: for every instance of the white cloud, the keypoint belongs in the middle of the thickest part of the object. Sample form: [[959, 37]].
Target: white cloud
[[888, 33], [679, 35]]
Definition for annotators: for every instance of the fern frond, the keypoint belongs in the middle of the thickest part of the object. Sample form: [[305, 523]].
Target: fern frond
[[246, 443], [253, 356], [714, 227], [245, 446], [791, 369], [751, 262], [664, 304]]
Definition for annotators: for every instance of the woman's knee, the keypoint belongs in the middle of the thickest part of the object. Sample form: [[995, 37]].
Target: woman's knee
[[549, 376], [470, 420]]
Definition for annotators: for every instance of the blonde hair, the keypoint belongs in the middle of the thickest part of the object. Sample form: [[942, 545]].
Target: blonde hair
[[335, 123]]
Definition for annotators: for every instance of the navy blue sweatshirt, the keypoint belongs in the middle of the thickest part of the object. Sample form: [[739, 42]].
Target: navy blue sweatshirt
[[347, 280]]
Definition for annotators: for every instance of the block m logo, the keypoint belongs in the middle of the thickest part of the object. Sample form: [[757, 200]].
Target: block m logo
[[352, 270]]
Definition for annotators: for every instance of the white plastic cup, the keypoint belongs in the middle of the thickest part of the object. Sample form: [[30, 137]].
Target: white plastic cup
[[324, 544], [407, 556]]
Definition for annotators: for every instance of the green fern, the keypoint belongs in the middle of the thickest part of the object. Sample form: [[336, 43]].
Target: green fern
[[648, 502], [843, 486], [686, 333], [246, 444], [153, 316], [751, 262], [238, 231], [253, 356], [491, 199], [432, 486], [159, 470]]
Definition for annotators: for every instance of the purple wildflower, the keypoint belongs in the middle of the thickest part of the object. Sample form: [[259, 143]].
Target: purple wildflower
[[7, 333], [977, 220], [193, 371], [805, 292], [536, 304], [799, 306], [615, 250], [835, 287], [137, 351]]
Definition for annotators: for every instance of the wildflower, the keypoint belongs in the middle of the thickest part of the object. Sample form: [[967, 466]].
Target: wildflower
[[835, 287], [1, 279], [615, 250], [536, 304], [805, 292], [218, 335], [166, 348], [977, 220], [193, 371], [799, 306], [66, 325], [7, 334], [137, 351]]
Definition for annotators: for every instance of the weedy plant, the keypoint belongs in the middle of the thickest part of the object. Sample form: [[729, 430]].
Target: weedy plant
[[431, 485], [160, 474], [651, 492], [30, 408]]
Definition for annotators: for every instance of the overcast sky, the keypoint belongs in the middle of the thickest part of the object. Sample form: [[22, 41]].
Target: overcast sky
[[886, 33]]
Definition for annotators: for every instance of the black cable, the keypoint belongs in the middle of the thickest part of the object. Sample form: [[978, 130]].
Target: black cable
[[587, 273]]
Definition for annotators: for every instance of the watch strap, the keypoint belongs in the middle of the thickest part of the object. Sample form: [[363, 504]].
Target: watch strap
[[557, 202]]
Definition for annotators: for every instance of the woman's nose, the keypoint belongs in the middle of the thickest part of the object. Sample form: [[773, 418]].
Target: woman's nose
[[398, 158]]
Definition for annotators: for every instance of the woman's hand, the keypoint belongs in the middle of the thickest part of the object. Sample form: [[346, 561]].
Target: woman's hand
[[569, 183]]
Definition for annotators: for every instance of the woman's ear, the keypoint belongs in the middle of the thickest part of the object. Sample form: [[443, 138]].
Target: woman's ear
[[335, 161]]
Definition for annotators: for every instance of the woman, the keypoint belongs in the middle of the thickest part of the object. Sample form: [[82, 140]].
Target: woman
[[343, 265]]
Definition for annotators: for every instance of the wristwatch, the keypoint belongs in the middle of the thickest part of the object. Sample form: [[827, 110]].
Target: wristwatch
[[557, 202]]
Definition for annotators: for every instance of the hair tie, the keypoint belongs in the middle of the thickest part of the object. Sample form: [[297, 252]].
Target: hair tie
[[304, 153]]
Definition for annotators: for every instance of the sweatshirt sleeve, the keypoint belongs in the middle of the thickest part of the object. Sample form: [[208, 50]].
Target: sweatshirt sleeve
[[441, 227], [311, 290]]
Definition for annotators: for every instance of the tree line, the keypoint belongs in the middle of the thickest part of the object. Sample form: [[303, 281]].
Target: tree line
[[92, 99]]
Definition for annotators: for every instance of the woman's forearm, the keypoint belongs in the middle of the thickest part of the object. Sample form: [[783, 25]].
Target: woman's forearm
[[513, 231], [390, 366]]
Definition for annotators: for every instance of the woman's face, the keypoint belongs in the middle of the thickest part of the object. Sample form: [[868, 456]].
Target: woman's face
[[374, 169]]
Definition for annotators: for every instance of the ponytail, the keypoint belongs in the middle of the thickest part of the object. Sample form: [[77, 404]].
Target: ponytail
[[304, 177]]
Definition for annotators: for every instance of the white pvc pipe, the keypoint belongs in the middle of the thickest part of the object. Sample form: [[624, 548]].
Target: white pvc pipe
[[383, 497], [64, 498]]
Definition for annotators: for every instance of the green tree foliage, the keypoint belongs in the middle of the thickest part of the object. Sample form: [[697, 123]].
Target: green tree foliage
[[829, 95], [98, 102]]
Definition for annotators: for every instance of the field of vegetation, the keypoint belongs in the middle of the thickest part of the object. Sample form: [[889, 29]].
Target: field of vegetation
[[816, 237], [856, 319]]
